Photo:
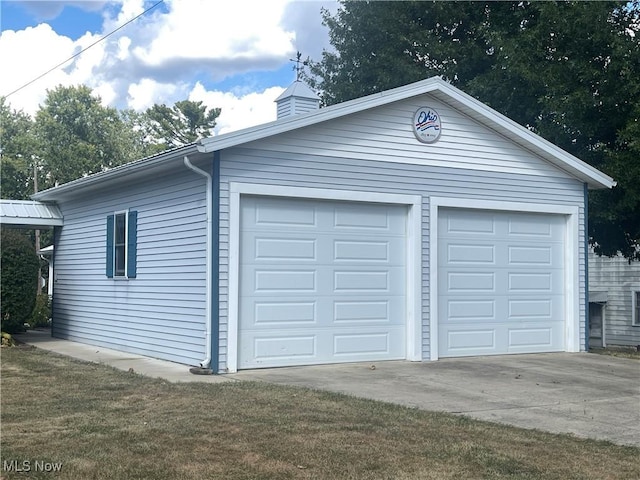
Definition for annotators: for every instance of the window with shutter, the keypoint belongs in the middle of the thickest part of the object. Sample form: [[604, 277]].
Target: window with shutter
[[122, 232]]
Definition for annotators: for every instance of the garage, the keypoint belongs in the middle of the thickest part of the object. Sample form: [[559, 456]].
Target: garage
[[501, 278], [320, 281]]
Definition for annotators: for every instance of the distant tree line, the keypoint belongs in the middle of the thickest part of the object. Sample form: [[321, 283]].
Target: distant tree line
[[73, 135]]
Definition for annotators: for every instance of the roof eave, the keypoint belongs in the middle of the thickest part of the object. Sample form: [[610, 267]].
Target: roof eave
[[98, 179]]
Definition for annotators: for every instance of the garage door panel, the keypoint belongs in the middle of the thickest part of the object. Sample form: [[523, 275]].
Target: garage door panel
[[465, 310], [321, 280], [500, 308], [353, 311], [501, 291], [498, 338], [373, 218], [465, 253], [271, 281], [291, 312], [532, 225], [532, 337], [278, 350], [271, 213], [493, 252], [269, 313], [469, 341], [458, 222], [327, 286], [520, 282], [319, 345], [309, 247], [283, 248], [468, 282], [549, 308]]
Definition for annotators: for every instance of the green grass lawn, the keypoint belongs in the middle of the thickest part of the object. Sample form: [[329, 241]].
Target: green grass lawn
[[101, 423]]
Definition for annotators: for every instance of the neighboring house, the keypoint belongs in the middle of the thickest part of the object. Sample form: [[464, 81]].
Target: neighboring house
[[614, 301], [414, 224]]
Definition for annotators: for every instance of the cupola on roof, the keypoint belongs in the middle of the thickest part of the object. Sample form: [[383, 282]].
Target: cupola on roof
[[297, 99]]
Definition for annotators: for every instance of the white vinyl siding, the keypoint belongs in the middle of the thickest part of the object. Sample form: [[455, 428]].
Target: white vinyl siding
[[376, 151], [162, 313]]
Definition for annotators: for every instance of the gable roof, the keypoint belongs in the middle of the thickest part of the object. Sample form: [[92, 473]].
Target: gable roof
[[444, 92], [433, 86]]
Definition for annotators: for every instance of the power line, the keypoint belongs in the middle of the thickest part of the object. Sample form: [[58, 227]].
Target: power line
[[84, 49]]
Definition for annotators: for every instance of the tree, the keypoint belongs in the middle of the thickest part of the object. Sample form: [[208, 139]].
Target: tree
[[17, 152], [78, 136], [569, 71], [181, 124], [138, 134], [20, 266]]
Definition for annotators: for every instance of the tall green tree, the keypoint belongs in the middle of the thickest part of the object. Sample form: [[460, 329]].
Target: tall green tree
[[78, 136], [181, 124], [570, 71], [18, 151], [137, 134]]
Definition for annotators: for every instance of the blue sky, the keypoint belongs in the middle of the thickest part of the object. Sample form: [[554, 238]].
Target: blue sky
[[228, 54]]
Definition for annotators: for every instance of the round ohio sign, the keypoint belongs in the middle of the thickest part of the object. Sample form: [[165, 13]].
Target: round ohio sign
[[426, 125]]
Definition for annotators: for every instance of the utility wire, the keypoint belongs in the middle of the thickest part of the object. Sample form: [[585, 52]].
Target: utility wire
[[84, 49]]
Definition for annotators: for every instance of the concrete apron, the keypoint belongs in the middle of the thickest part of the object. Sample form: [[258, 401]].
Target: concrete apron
[[588, 395]]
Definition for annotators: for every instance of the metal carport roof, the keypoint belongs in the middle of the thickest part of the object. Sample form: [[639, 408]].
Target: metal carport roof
[[29, 214]]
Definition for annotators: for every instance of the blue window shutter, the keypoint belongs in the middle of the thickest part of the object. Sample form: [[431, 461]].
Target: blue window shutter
[[132, 242], [110, 220]]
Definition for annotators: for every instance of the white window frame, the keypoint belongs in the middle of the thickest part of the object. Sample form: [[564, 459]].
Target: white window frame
[[126, 247]]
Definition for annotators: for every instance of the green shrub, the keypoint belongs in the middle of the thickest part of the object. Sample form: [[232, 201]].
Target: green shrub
[[41, 312], [19, 280]]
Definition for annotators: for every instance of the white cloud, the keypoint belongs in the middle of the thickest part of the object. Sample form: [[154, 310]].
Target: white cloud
[[146, 92], [178, 50], [26, 54], [206, 31], [239, 111]]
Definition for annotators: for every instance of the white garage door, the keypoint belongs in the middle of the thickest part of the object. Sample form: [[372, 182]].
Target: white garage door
[[320, 282], [500, 282]]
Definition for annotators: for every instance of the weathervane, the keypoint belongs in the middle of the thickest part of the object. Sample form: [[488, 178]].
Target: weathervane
[[299, 65]]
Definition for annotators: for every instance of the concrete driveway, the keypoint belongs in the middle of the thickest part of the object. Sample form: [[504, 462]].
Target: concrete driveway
[[584, 394]]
